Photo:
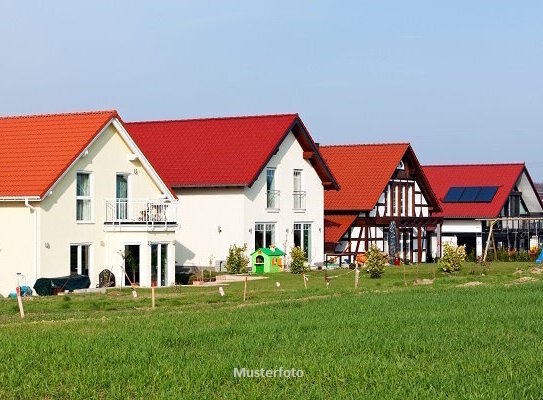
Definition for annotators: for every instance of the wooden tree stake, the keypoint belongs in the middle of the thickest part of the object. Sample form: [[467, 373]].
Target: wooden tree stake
[[356, 275], [20, 301], [305, 282], [245, 290], [153, 296]]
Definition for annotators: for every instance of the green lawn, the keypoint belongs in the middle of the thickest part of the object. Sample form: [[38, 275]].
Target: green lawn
[[384, 340]]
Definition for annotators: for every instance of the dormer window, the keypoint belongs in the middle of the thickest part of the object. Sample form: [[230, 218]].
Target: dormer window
[[401, 165]]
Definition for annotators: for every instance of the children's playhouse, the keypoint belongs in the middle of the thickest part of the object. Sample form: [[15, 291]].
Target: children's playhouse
[[266, 260]]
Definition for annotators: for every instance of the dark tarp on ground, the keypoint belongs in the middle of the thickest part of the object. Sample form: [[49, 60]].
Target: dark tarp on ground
[[47, 286]]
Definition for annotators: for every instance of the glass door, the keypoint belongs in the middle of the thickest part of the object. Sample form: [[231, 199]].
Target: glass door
[[122, 197], [159, 264]]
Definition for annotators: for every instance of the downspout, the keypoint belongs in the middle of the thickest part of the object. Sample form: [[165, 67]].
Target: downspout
[[34, 211]]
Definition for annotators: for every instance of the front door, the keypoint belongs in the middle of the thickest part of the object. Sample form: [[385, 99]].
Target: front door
[[122, 197], [159, 264]]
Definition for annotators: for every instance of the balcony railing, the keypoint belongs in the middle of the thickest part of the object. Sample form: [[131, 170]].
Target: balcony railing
[[299, 200], [120, 211], [273, 200]]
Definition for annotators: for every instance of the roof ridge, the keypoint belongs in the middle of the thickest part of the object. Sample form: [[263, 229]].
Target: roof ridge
[[215, 118], [476, 164], [58, 114], [366, 144]]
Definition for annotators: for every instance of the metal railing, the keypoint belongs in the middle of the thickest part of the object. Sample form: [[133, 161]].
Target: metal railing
[[121, 211], [272, 201], [299, 200]]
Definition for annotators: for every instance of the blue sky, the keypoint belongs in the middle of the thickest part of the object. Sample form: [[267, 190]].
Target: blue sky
[[462, 81]]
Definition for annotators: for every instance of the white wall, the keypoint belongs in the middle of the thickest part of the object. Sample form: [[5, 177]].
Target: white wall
[[288, 158], [461, 226], [201, 212], [16, 245]]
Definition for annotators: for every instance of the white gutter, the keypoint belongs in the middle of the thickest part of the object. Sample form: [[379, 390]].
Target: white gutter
[[35, 212]]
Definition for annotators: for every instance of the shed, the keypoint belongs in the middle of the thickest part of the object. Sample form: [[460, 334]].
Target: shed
[[267, 260]]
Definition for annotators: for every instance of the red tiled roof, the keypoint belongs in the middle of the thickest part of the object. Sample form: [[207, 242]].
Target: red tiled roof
[[362, 172], [336, 225], [35, 150], [443, 177], [230, 151]]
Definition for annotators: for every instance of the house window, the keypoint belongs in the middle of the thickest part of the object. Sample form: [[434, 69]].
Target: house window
[[302, 238], [272, 195], [264, 235], [79, 259], [83, 196], [299, 195]]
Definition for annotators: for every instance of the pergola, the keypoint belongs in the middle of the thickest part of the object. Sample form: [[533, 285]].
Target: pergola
[[518, 223]]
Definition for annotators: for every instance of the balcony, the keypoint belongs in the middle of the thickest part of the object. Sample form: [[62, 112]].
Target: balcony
[[299, 200], [140, 212], [272, 200]]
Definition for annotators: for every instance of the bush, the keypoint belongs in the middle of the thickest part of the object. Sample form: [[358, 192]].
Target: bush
[[298, 261], [453, 257], [237, 260], [375, 264]]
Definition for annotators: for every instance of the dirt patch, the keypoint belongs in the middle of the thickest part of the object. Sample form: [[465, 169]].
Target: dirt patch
[[424, 282], [536, 271], [470, 284], [518, 272], [525, 279]]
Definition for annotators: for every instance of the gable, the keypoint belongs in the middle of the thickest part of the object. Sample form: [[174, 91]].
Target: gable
[[364, 171], [36, 150], [221, 151]]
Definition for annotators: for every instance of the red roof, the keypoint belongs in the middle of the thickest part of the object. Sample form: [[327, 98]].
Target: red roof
[[363, 171], [335, 226], [443, 177], [35, 150], [230, 151]]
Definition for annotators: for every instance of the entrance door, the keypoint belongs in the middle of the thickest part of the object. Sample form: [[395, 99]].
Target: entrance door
[[122, 197], [132, 263], [159, 264]]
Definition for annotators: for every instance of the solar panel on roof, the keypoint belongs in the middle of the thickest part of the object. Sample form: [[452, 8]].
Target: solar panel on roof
[[486, 194], [469, 195], [453, 195]]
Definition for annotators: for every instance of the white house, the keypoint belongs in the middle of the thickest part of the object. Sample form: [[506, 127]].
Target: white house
[[76, 195], [469, 194], [258, 180]]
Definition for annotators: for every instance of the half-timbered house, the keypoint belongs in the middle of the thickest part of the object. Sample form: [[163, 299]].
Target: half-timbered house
[[380, 183]]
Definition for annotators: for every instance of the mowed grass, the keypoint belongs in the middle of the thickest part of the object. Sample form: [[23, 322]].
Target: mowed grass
[[384, 340]]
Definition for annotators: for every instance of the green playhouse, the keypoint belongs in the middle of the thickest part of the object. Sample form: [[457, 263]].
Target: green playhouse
[[267, 260]]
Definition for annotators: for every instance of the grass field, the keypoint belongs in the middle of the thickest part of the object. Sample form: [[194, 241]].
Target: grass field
[[384, 340]]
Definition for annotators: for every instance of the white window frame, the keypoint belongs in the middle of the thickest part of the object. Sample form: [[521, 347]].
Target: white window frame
[[265, 230], [90, 197], [80, 257], [159, 267], [303, 226]]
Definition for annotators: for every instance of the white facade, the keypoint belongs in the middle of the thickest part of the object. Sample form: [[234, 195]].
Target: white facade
[[45, 238], [213, 219]]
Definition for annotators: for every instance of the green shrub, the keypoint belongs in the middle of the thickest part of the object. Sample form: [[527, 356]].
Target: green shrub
[[453, 257], [298, 261], [237, 260], [375, 264]]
